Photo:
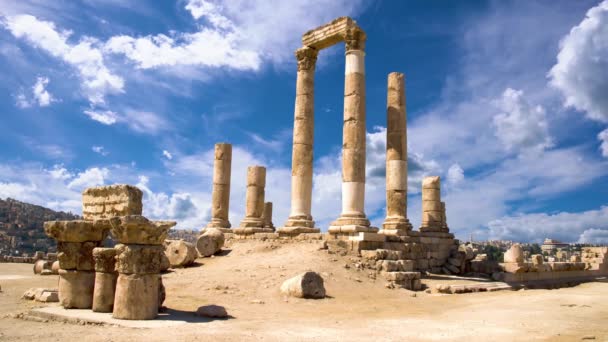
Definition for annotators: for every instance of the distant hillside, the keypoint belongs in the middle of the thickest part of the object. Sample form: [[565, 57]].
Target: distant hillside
[[21, 227]]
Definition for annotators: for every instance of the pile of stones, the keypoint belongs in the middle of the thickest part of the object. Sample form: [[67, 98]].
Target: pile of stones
[[393, 266], [124, 280]]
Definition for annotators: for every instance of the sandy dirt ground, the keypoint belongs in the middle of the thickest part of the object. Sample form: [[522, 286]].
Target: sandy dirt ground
[[246, 280]]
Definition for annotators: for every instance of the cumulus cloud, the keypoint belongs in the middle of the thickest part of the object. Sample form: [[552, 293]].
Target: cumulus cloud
[[96, 79], [587, 226], [90, 177], [40, 95], [520, 125], [178, 206], [580, 71], [603, 137]]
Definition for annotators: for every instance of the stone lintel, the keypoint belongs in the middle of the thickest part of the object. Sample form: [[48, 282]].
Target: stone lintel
[[331, 33]]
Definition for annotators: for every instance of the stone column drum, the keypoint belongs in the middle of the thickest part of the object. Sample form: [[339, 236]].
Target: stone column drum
[[396, 222], [267, 216], [254, 206], [105, 279], [432, 209], [300, 218], [139, 289], [353, 218], [75, 243], [220, 199]]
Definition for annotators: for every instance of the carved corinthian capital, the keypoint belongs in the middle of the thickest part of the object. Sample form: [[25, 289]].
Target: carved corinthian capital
[[307, 57], [354, 39]]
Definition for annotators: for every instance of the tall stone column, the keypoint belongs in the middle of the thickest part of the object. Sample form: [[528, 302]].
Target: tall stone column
[[300, 218], [254, 201], [396, 222], [432, 207], [353, 218], [220, 198]]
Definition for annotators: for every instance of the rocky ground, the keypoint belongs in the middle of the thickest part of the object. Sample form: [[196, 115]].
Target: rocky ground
[[246, 280]]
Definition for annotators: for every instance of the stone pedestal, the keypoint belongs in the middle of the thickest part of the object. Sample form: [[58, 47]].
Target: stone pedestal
[[220, 198], [396, 222], [75, 243], [105, 279], [138, 263], [300, 218], [254, 221]]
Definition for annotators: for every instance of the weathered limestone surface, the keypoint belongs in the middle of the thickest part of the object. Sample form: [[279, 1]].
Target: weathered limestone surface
[[136, 229], [105, 279], [256, 181], [433, 210], [267, 216], [396, 222], [180, 253], [137, 296], [76, 289], [77, 230], [514, 255], [210, 242], [138, 259], [305, 285], [220, 198], [109, 201], [76, 255]]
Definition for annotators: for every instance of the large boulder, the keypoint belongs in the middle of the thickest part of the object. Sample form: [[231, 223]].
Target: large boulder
[[210, 242], [305, 285], [180, 253], [515, 254]]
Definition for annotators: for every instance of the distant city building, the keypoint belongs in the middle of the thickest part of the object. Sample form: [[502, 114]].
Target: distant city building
[[551, 245]]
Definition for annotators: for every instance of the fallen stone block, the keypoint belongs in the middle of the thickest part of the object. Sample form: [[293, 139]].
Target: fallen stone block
[[47, 296], [305, 285], [210, 242], [212, 311], [180, 253]]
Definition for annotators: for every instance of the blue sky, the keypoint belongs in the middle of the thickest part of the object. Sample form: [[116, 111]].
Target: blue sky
[[507, 101]]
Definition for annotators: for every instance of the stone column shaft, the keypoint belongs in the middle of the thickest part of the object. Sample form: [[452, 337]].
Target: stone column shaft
[[432, 208], [396, 156], [300, 218], [254, 201], [353, 146], [267, 215], [220, 198]]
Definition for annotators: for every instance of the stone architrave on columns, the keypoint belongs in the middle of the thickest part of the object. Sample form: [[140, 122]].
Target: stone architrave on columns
[[353, 218], [396, 222], [220, 198], [300, 219], [254, 202]]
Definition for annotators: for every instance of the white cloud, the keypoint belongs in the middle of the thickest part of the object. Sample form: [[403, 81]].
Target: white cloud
[[167, 154], [106, 117], [455, 174], [603, 137], [41, 95], [520, 125], [90, 177], [100, 150], [60, 172], [594, 236], [580, 71], [586, 226], [96, 79], [21, 101]]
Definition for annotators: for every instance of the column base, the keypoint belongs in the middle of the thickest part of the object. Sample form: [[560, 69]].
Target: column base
[[351, 229], [292, 231], [437, 228], [304, 221], [250, 230], [351, 224], [399, 226], [251, 222], [218, 223]]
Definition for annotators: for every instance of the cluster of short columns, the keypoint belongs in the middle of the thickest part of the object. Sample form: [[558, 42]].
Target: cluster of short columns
[[254, 202], [220, 198], [300, 219], [353, 218], [75, 243], [396, 222], [433, 209]]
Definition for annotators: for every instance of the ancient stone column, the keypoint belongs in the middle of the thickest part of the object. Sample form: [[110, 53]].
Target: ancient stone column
[[444, 218], [105, 279], [75, 243], [220, 198], [396, 222], [267, 216], [139, 290], [300, 218], [353, 218], [254, 201], [432, 209]]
